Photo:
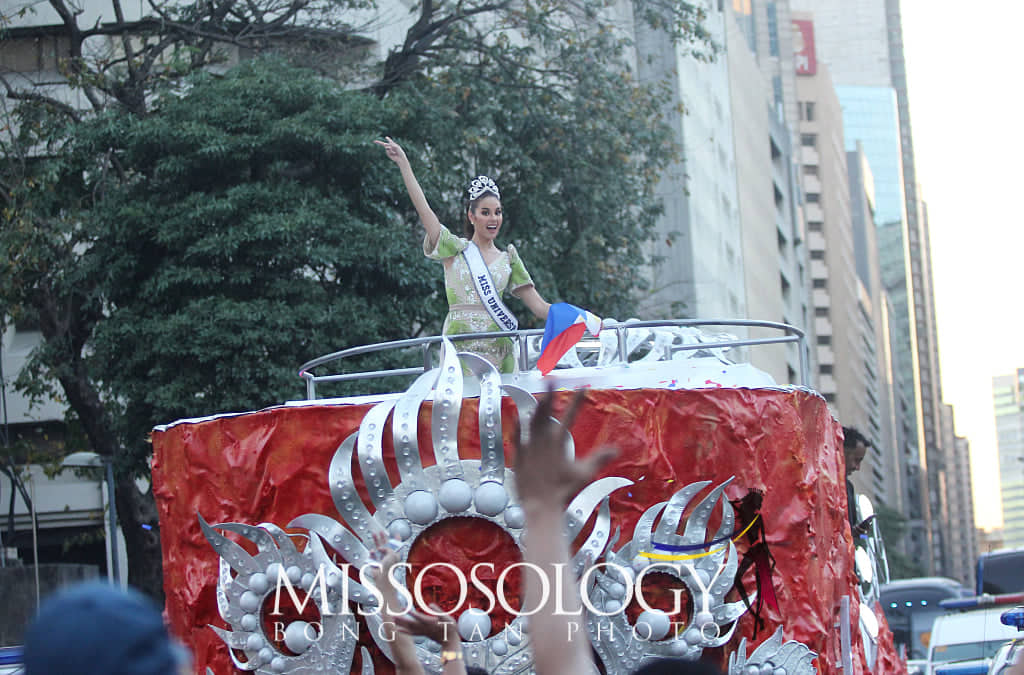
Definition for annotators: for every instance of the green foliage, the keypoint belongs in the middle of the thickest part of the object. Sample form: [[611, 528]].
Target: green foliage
[[893, 526], [188, 243], [242, 229], [559, 120]]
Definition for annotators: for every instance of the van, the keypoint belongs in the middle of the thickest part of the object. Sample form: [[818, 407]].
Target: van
[[967, 639], [999, 572]]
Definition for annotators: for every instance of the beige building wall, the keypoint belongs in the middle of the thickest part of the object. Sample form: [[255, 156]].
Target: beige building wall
[[750, 98], [844, 322]]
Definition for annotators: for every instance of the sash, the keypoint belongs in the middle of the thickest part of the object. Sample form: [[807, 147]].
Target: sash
[[486, 290]]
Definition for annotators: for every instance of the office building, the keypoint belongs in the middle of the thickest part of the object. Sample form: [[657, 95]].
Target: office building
[[847, 300], [862, 45], [1008, 402], [961, 534]]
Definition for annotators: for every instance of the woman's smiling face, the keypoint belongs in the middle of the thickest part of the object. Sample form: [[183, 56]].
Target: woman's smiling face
[[486, 217]]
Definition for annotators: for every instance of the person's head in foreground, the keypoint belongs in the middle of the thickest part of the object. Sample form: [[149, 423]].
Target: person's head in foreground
[[98, 628]]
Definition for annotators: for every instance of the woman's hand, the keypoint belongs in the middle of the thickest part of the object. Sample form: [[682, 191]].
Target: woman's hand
[[393, 151], [431, 224]]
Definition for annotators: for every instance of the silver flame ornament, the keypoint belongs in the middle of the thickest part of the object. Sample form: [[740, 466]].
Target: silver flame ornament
[[707, 576], [773, 657]]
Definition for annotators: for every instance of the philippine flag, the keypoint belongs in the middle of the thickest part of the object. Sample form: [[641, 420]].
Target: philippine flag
[[565, 326]]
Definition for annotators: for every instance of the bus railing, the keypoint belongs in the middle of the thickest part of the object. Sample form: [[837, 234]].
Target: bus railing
[[692, 341]]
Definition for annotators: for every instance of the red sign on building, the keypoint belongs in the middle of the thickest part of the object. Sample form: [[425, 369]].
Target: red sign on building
[[803, 47]]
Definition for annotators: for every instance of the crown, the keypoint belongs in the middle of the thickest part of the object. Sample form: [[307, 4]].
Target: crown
[[481, 185]]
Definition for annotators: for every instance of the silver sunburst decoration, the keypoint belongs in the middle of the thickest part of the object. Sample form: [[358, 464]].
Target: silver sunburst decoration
[[424, 496], [708, 576]]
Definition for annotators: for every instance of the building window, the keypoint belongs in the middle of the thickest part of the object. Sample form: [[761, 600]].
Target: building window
[[817, 254], [815, 226], [819, 283], [810, 169], [808, 140], [825, 340], [807, 111], [825, 369], [821, 312], [813, 197], [773, 29]]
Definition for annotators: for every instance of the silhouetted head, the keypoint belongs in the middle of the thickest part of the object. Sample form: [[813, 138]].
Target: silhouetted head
[[97, 628], [677, 667]]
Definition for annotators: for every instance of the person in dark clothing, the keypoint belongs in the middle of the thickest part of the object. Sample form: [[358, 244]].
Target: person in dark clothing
[[855, 448]]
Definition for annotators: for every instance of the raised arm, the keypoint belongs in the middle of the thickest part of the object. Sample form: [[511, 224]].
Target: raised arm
[[427, 216], [402, 647], [545, 480]]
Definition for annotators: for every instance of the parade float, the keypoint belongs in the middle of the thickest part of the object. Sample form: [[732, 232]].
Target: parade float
[[719, 532]]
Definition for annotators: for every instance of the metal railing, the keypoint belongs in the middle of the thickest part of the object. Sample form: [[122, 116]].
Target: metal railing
[[789, 334]]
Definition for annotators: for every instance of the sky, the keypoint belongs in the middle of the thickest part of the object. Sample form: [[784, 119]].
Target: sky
[[965, 97]]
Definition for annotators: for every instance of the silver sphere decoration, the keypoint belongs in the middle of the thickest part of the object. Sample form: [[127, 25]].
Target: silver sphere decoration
[[299, 636], [399, 529], [420, 507], [249, 622], [652, 625], [455, 495], [258, 583], [474, 625], [679, 647], [515, 517], [249, 601], [491, 498]]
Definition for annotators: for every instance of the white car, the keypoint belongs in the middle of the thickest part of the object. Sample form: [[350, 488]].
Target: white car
[[963, 642]]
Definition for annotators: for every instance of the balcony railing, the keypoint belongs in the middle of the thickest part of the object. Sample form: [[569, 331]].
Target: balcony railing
[[651, 340]]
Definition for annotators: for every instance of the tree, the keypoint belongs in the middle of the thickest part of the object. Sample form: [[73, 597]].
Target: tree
[[893, 526], [190, 239], [542, 97]]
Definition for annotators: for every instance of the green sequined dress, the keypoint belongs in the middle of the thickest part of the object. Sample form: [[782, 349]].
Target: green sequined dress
[[466, 314]]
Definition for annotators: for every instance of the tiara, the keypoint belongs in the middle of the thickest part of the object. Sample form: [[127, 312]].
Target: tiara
[[480, 185]]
